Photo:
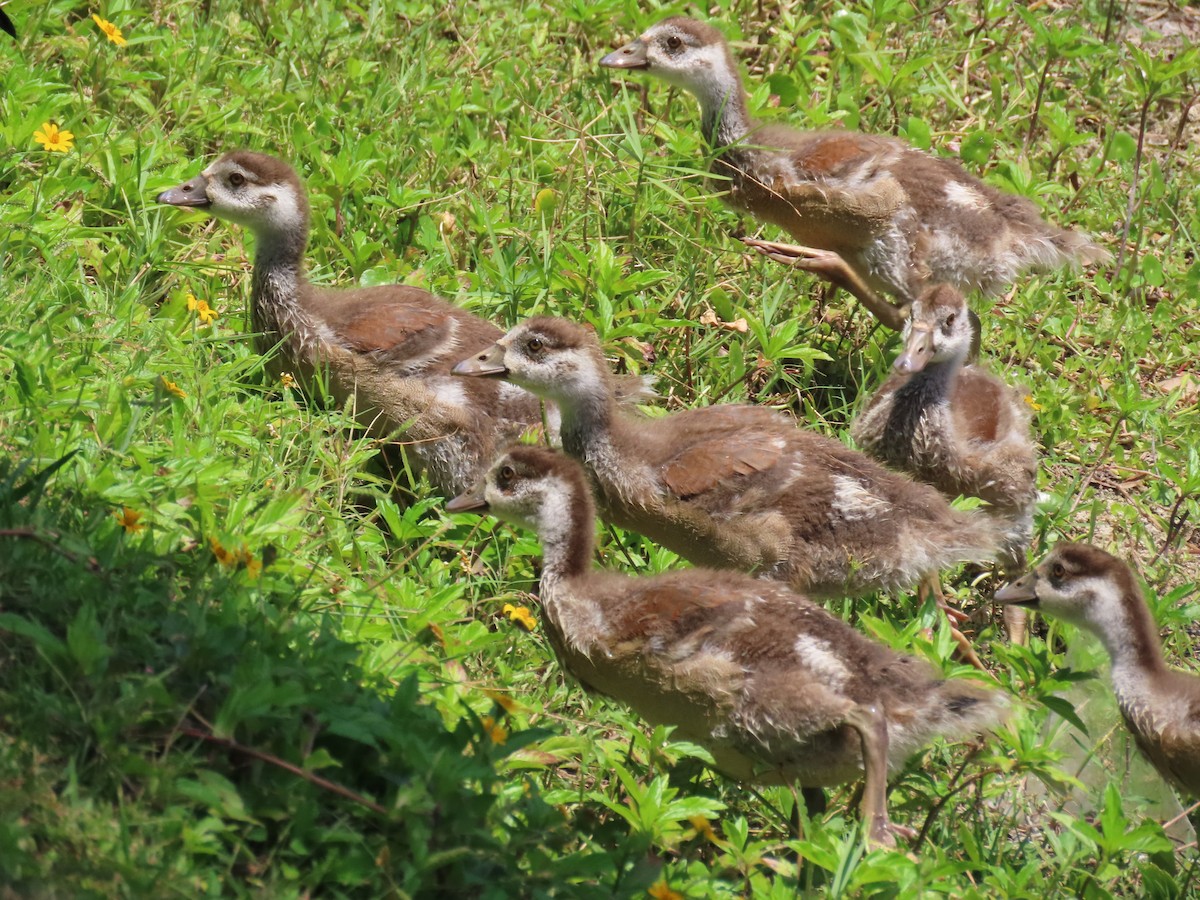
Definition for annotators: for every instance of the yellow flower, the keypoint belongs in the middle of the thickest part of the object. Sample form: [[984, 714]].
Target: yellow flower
[[703, 828], [495, 731], [253, 565], [1034, 405], [287, 380], [130, 520], [111, 31], [505, 702], [172, 388], [205, 313], [52, 139], [660, 891], [224, 557], [520, 615]]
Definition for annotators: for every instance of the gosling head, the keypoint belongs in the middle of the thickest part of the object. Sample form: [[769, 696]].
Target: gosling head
[[940, 329], [533, 487], [683, 52], [257, 191], [553, 358], [1081, 584]]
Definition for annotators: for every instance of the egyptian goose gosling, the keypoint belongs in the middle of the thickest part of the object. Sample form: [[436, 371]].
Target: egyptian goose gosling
[[1097, 591], [778, 690], [956, 426], [735, 486], [389, 347], [876, 214]]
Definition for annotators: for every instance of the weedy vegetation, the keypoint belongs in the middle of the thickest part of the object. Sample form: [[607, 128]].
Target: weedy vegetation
[[237, 660]]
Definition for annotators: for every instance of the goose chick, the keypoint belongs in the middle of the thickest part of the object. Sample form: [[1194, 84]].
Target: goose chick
[[876, 214], [955, 426], [737, 486], [778, 690], [1161, 706], [388, 348]]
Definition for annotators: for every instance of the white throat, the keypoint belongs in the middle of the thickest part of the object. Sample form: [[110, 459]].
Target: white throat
[[719, 90], [1129, 638]]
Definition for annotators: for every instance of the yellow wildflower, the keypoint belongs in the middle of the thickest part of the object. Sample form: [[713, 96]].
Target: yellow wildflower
[[253, 565], [520, 615], [1033, 404], [661, 891], [287, 380], [130, 520], [703, 828], [172, 388], [494, 730], [51, 138], [205, 313], [111, 31], [224, 557], [505, 702]]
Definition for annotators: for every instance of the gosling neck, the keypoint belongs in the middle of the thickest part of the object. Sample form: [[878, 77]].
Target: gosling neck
[[938, 376], [566, 525], [588, 415], [276, 284], [1131, 639], [724, 117]]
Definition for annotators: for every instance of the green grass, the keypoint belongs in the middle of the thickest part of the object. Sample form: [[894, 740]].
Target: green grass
[[176, 722]]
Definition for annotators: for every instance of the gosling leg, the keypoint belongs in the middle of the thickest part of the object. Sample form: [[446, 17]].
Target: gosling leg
[[871, 726], [830, 266], [931, 586]]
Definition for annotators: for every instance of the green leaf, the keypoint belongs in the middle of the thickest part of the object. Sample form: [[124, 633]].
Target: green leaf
[[918, 133], [45, 641], [1065, 709], [1122, 147], [976, 148], [86, 641], [784, 86]]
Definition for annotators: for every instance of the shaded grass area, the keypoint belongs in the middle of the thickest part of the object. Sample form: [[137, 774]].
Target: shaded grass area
[[235, 661]]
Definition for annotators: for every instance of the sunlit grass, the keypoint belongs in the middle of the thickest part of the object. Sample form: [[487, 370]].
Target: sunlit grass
[[236, 662]]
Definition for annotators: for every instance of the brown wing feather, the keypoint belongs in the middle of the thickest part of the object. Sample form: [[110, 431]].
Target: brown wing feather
[[1172, 747], [395, 329], [857, 158], [703, 466], [400, 323], [1181, 758]]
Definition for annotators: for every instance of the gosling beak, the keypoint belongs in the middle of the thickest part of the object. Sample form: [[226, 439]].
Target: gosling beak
[[192, 193], [489, 363], [917, 350], [471, 500], [1022, 592], [631, 56]]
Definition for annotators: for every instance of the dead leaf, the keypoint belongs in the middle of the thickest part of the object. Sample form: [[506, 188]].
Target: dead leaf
[[709, 317], [1185, 380]]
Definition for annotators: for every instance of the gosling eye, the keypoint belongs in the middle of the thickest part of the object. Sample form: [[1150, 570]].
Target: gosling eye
[[535, 346], [674, 42], [950, 320], [237, 179], [1058, 571], [506, 475]]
